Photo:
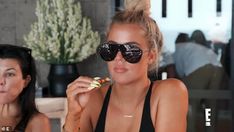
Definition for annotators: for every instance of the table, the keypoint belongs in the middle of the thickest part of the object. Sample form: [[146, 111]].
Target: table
[[54, 108]]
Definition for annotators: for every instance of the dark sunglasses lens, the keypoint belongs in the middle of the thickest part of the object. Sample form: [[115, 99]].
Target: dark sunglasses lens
[[108, 51], [131, 53]]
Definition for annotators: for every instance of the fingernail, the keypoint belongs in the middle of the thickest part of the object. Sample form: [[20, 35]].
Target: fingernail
[[90, 88], [107, 79], [97, 78], [96, 82], [94, 85]]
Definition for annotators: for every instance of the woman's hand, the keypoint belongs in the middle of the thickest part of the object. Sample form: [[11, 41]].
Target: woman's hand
[[78, 93]]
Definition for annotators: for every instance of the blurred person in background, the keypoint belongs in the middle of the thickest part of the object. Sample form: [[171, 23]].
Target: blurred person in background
[[198, 37], [198, 67]]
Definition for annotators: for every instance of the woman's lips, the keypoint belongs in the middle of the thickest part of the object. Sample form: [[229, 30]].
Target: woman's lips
[[120, 69]]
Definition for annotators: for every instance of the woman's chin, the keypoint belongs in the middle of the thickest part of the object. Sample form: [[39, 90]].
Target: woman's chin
[[5, 100], [122, 80]]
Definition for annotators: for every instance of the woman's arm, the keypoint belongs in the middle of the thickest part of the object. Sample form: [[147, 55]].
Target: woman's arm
[[38, 123], [78, 94], [173, 107], [72, 123]]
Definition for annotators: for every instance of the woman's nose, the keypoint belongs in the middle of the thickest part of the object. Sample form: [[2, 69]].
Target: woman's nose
[[2, 80], [119, 57]]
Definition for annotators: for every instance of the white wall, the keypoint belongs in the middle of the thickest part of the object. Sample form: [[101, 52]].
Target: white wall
[[204, 18]]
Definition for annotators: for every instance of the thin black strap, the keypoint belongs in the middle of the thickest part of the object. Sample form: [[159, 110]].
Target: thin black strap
[[100, 127], [146, 121]]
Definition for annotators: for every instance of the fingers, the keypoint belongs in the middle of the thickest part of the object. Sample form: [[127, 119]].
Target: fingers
[[76, 89], [81, 79], [80, 85], [85, 84]]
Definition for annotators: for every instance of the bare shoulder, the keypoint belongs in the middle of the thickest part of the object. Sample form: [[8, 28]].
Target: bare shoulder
[[39, 122], [171, 87], [172, 103]]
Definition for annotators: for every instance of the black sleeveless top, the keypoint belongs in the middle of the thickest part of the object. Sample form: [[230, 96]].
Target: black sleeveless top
[[146, 122]]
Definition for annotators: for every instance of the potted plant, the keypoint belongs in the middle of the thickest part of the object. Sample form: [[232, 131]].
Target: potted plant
[[61, 37]]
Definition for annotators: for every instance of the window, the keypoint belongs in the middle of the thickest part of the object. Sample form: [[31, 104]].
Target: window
[[190, 8], [164, 8]]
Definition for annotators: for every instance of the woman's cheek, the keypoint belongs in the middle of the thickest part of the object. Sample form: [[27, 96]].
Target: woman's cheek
[[14, 89]]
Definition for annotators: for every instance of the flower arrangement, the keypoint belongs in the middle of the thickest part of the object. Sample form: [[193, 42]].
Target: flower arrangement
[[61, 35]]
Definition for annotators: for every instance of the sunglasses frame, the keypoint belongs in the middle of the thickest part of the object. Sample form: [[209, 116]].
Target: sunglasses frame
[[130, 51]]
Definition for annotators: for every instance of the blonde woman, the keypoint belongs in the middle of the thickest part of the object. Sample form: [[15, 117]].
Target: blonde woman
[[132, 102]]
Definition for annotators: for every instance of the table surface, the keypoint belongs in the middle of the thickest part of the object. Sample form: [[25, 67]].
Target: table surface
[[54, 108]]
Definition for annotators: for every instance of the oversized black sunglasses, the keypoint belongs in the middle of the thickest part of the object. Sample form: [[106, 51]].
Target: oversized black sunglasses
[[130, 51]]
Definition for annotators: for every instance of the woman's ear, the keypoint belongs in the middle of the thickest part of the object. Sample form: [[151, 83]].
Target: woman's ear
[[152, 56], [27, 81]]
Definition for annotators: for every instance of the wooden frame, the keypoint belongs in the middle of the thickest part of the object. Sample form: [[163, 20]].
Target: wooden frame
[[232, 61]]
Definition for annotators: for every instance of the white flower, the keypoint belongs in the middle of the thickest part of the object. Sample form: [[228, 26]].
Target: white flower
[[61, 35]]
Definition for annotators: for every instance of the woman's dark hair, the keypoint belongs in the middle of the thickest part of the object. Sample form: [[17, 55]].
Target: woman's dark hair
[[182, 37], [27, 96], [199, 37]]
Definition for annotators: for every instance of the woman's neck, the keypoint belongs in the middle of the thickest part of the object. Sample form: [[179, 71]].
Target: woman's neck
[[131, 93], [10, 110], [9, 115]]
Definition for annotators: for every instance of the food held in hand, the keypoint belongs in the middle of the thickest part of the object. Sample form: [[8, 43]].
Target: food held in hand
[[99, 82]]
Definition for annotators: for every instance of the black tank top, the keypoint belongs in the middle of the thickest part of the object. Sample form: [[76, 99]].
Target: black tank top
[[146, 122]]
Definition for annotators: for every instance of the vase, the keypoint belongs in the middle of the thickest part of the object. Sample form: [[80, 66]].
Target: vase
[[60, 75]]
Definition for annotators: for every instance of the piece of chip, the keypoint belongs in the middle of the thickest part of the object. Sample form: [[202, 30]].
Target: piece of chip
[[99, 82]]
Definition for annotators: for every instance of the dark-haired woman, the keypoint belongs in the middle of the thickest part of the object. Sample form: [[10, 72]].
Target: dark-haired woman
[[132, 103], [18, 111]]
